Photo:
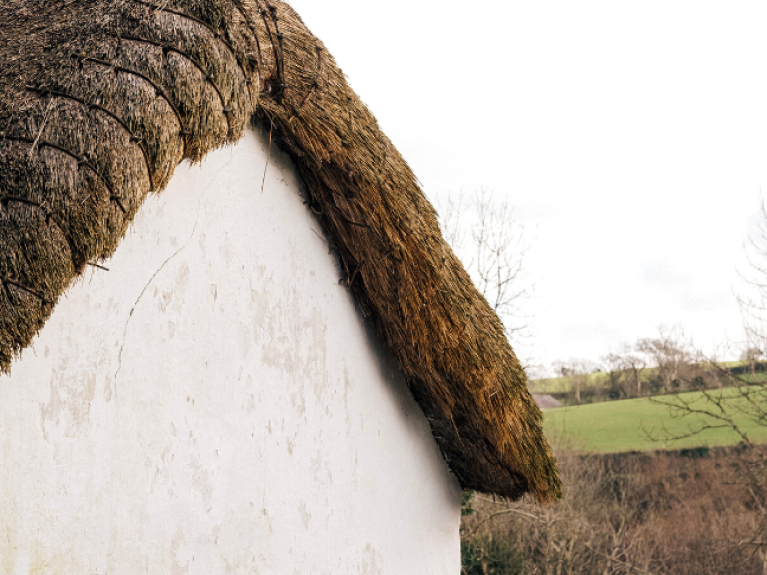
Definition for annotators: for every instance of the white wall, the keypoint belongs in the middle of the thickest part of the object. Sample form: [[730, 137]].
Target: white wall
[[214, 404]]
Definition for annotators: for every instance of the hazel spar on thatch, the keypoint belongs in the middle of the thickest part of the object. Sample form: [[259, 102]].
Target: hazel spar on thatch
[[99, 102]]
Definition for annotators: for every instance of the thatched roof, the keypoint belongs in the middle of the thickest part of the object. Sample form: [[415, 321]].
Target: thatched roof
[[101, 99]]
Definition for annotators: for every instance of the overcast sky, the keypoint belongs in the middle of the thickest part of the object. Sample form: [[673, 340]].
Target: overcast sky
[[631, 137]]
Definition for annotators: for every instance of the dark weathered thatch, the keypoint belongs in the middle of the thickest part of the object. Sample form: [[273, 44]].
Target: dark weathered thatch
[[101, 99]]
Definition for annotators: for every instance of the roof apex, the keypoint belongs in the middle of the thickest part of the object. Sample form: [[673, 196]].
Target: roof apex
[[101, 99]]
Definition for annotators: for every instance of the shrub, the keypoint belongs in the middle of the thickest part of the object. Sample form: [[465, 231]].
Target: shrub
[[485, 555]]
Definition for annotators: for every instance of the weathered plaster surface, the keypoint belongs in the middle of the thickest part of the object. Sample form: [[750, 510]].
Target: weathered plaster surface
[[214, 404]]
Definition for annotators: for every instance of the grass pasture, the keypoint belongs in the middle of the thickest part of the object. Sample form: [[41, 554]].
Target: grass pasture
[[645, 424]]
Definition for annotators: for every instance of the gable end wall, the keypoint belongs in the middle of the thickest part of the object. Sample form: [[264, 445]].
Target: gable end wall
[[214, 403]]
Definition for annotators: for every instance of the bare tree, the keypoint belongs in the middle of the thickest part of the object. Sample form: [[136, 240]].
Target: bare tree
[[740, 402], [670, 354], [630, 366], [490, 239], [751, 356], [578, 372], [752, 298]]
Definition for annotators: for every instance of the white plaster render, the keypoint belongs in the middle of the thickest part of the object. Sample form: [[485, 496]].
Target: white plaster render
[[215, 404]]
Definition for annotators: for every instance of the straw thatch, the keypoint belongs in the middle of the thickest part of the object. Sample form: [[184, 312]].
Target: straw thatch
[[101, 99]]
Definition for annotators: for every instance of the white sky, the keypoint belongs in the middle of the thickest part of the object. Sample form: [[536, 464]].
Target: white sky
[[632, 137]]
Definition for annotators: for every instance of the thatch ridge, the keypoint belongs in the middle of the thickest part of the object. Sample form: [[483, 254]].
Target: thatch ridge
[[101, 99]]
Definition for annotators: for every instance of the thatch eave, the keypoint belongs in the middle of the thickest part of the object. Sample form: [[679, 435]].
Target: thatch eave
[[101, 99]]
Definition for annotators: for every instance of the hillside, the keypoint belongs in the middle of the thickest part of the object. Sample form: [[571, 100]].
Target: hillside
[[613, 385]]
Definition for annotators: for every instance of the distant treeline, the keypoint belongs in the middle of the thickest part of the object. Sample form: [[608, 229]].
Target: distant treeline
[[574, 387]]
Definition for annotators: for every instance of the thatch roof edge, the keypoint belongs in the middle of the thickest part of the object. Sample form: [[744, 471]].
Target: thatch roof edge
[[101, 99]]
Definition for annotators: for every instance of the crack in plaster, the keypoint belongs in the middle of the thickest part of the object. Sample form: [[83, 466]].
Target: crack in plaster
[[213, 180]]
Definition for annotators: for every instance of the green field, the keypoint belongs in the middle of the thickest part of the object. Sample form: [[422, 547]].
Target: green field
[[644, 425]]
